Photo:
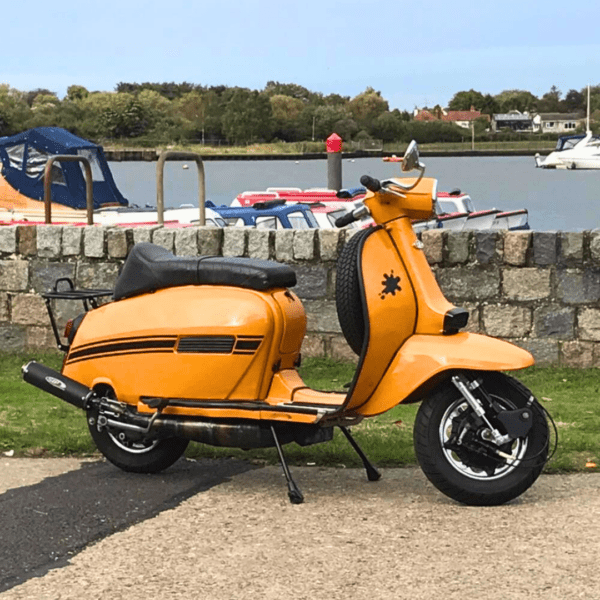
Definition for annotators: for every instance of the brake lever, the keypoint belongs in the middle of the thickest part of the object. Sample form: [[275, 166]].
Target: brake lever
[[386, 186]]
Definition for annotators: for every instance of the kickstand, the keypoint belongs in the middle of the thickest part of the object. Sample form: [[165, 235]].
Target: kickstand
[[295, 495], [372, 473]]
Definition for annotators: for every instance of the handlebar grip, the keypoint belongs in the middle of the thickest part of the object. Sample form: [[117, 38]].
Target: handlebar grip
[[345, 220], [372, 184]]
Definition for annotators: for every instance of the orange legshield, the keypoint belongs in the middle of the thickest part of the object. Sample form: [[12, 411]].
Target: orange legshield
[[409, 341]]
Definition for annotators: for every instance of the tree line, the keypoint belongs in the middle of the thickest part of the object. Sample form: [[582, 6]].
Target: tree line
[[163, 113]]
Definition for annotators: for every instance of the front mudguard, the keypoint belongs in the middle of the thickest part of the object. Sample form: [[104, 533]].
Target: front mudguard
[[423, 358]]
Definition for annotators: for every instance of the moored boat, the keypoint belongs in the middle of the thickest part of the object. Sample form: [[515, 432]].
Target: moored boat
[[455, 212], [573, 152], [24, 158], [270, 214], [580, 151]]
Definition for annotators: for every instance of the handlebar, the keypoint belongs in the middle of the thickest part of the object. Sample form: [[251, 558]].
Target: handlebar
[[355, 215], [345, 220], [372, 184]]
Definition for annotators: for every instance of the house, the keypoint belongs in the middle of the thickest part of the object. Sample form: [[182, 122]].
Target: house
[[462, 118], [515, 120], [558, 122]]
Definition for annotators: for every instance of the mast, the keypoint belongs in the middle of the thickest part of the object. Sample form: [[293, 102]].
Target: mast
[[588, 111]]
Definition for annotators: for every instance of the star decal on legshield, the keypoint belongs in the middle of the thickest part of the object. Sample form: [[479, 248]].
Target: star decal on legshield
[[391, 285]]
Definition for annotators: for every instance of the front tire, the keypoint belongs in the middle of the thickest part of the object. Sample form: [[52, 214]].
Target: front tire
[[464, 474]]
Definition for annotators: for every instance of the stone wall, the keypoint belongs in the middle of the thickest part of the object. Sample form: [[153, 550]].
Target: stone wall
[[540, 290]]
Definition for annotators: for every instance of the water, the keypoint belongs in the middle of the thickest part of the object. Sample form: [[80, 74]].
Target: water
[[557, 200]]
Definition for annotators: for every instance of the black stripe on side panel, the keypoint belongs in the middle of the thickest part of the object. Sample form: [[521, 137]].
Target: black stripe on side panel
[[142, 338], [125, 353], [119, 347]]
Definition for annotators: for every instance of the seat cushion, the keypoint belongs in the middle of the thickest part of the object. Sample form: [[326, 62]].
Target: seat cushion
[[149, 267]]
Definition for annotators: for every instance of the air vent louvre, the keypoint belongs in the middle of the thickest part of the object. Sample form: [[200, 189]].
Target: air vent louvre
[[206, 344]]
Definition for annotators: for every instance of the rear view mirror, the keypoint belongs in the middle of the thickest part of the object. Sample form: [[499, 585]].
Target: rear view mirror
[[410, 162]]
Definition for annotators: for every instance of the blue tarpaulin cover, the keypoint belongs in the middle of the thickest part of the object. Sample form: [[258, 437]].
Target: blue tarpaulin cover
[[24, 157]]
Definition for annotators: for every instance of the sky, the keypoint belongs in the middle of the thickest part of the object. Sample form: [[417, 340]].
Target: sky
[[414, 55]]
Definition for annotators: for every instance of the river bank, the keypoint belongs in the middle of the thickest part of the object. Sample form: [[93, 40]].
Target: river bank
[[150, 155]]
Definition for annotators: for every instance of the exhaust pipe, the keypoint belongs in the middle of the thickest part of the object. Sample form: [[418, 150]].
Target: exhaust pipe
[[57, 384], [232, 434]]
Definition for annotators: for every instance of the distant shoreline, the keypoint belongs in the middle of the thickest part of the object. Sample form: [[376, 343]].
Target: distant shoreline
[[152, 155]]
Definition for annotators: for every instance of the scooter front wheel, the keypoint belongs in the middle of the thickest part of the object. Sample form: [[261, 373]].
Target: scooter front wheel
[[132, 452], [458, 453]]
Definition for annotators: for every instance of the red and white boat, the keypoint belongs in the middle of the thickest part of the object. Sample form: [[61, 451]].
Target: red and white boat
[[327, 205], [455, 212]]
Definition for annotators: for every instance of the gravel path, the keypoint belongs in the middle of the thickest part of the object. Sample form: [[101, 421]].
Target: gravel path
[[395, 538]]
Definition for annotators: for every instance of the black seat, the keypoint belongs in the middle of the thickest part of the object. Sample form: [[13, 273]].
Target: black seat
[[149, 267]]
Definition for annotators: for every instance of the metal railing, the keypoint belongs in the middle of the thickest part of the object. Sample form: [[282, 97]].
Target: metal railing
[[89, 188], [160, 192]]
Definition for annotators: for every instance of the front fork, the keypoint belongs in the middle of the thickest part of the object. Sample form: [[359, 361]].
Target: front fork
[[517, 423]]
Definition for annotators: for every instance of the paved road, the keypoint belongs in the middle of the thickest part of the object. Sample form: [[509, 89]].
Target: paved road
[[45, 524], [396, 538]]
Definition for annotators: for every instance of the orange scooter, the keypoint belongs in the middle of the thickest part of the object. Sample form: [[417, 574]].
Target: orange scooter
[[207, 349]]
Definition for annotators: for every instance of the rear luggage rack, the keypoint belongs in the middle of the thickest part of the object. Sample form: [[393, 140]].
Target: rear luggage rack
[[89, 298]]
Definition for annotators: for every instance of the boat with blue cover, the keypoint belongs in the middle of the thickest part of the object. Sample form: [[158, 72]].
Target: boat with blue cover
[[24, 157]]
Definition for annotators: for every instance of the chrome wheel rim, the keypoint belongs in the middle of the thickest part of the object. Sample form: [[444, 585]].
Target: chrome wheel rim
[[517, 449], [123, 442]]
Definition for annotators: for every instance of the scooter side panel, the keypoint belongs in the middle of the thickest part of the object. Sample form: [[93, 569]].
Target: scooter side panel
[[424, 356], [190, 342]]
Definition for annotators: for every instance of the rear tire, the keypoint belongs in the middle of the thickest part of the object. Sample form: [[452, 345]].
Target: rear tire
[[132, 452], [469, 477]]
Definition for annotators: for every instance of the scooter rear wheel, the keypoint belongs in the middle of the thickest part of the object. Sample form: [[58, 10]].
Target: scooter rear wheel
[[465, 474], [133, 453]]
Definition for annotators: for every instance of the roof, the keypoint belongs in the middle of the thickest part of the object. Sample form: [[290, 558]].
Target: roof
[[425, 115], [561, 116], [462, 115], [511, 117]]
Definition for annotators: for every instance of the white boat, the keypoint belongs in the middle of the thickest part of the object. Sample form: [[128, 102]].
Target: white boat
[[512, 220], [455, 212], [327, 213], [481, 219], [574, 151], [183, 216]]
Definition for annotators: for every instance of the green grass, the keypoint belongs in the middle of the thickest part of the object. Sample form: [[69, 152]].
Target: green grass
[[33, 423]]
